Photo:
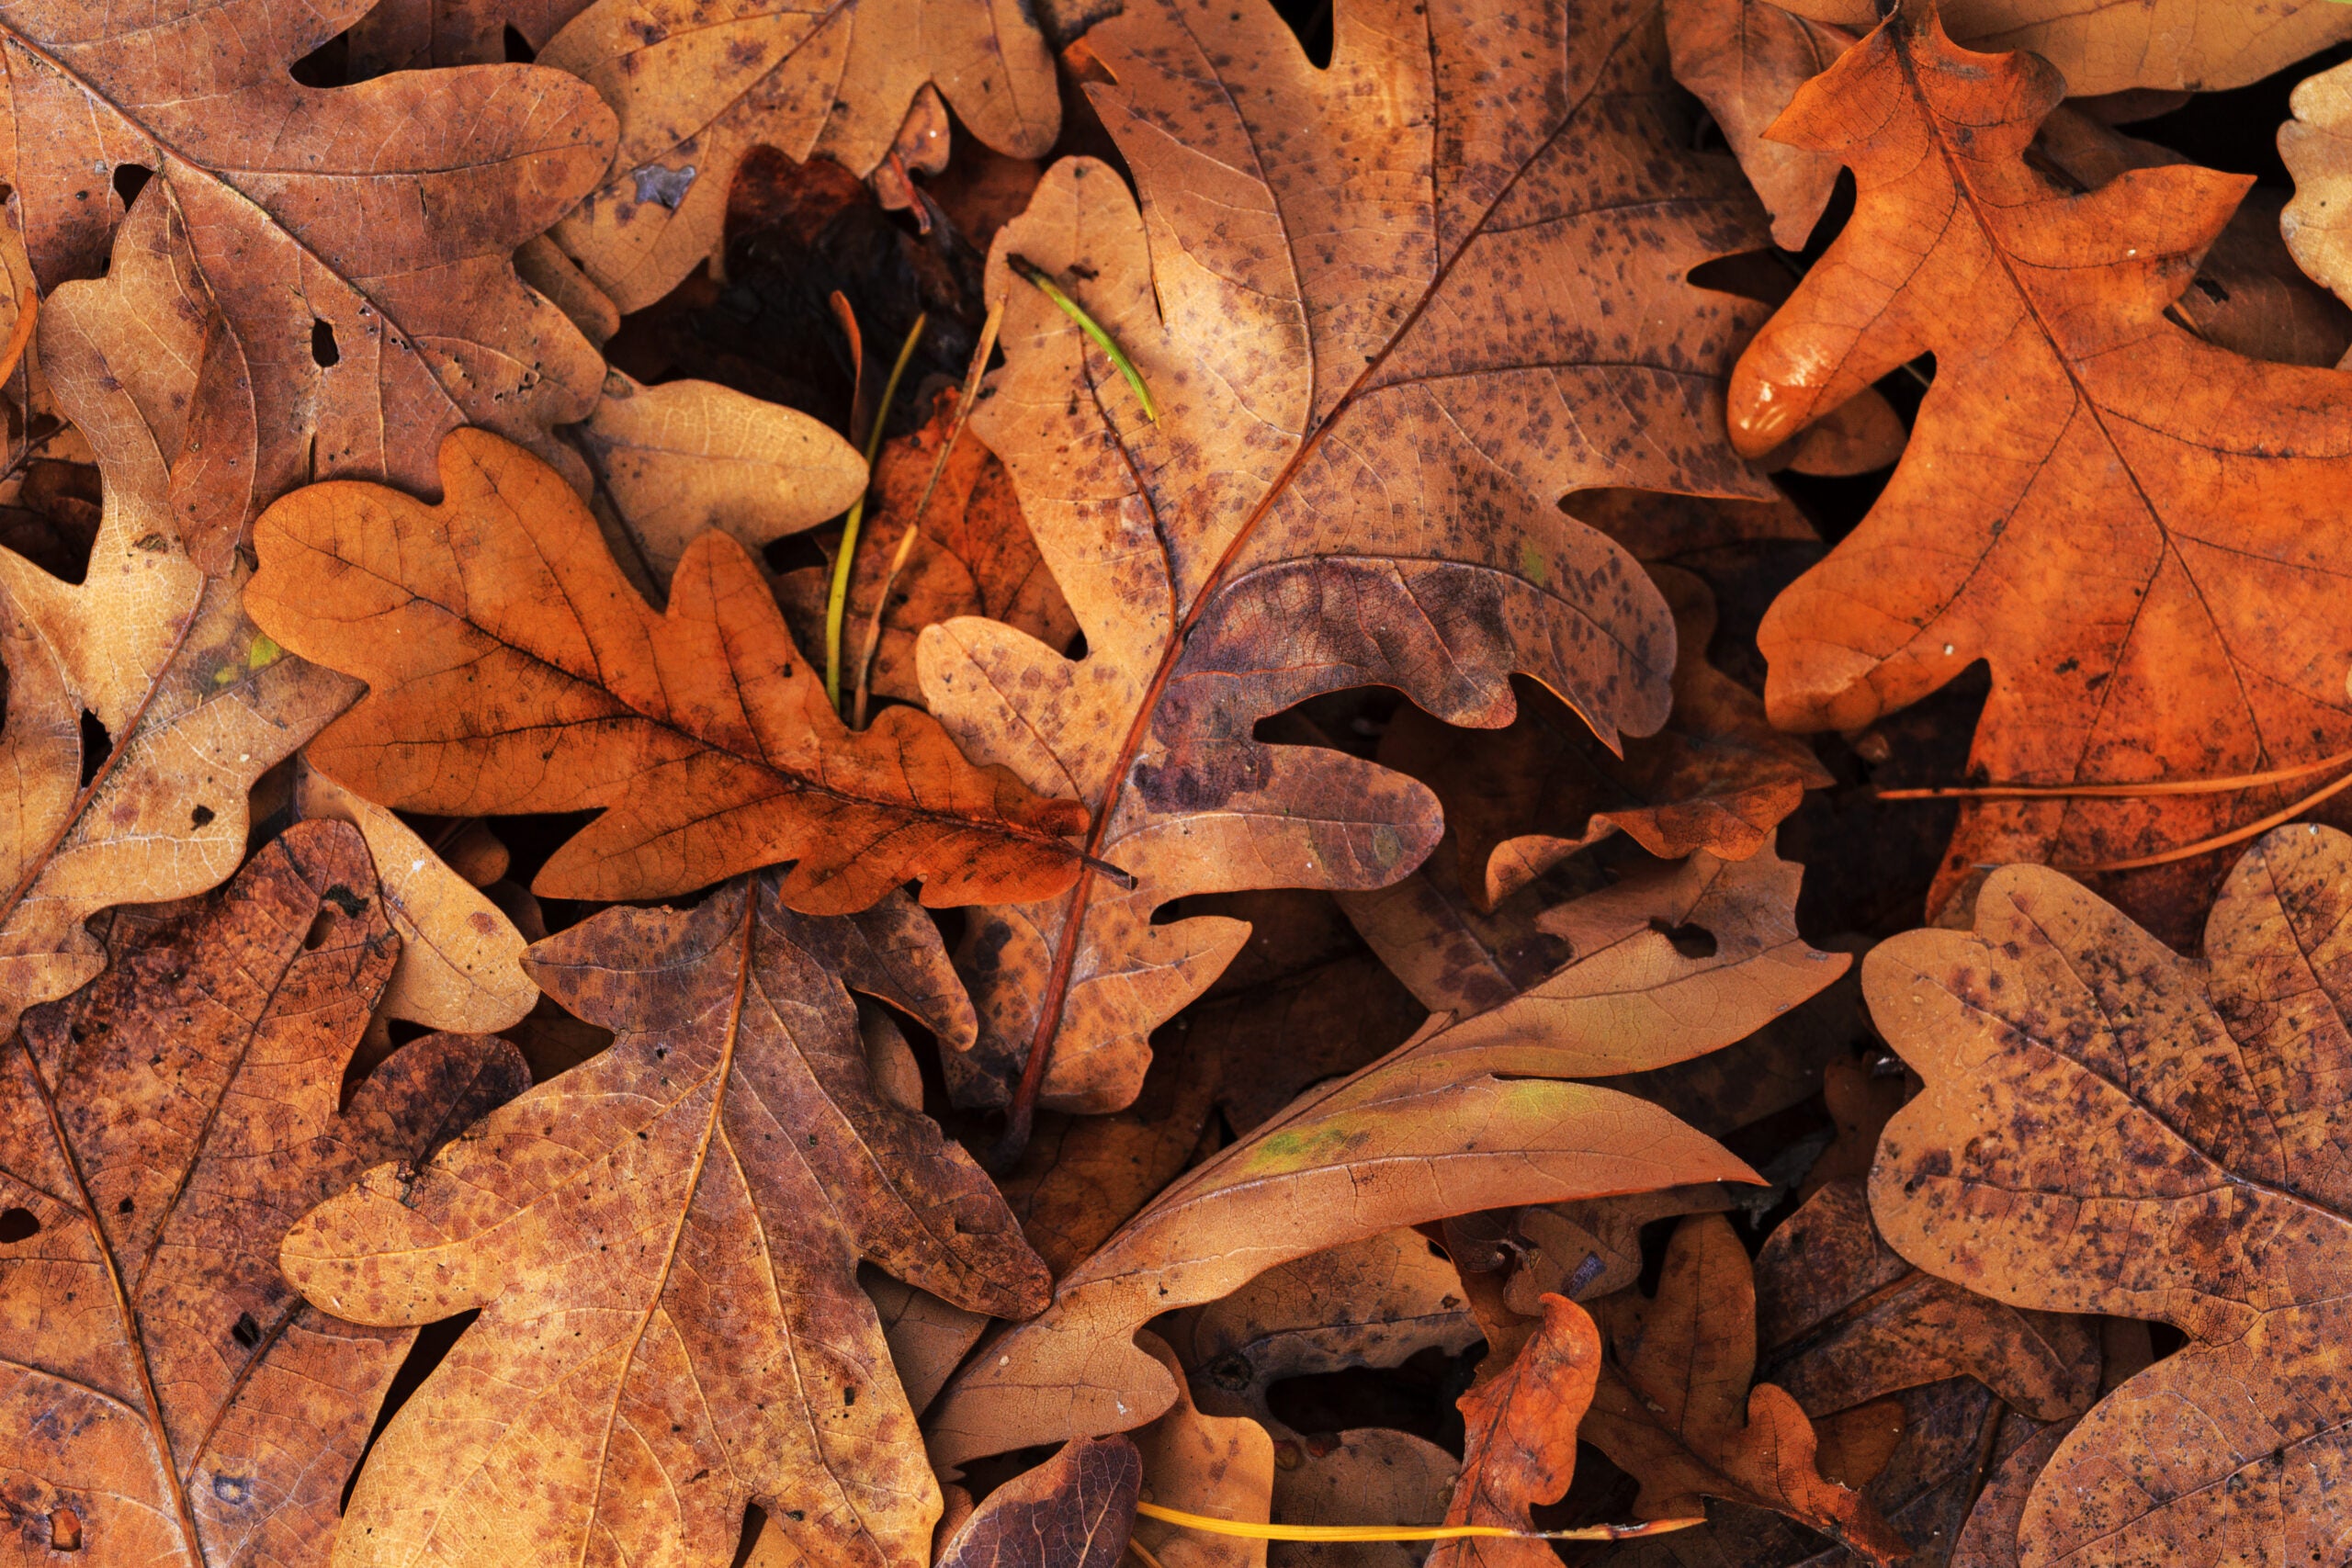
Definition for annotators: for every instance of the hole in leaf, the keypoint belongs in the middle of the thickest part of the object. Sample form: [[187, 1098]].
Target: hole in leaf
[[97, 747], [65, 1530], [130, 179], [125, 1207], [433, 1342], [320, 923], [245, 1331], [200, 818], [1691, 941], [18, 1225], [518, 48], [324, 352]]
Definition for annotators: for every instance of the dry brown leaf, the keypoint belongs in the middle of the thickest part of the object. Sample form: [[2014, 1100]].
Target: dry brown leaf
[[420, 35], [1220, 1466], [461, 964], [1368, 1475], [701, 733], [356, 243], [1377, 358], [165, 1397], [1465, 1117], [1746, 59], [685, 456], [1073, 1511], [1841, 1319], [663, 1244], [2203, 45], [194, 702], [1593, 1248], [1519, 800], [2151, 607], [2316, 147], [1521, 1442], [927, 1337], [1860, 1096], [975, 557], [696, 87], [1675, 1408], [2194, 1182], [1371, 1303]]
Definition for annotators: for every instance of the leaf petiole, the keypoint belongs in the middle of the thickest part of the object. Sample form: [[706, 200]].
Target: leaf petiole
[[1046, 285], [1253, 1531]]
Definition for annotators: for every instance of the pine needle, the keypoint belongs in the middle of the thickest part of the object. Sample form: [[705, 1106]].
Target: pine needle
[[837, 600], [1248, 1530], [1047, 285]]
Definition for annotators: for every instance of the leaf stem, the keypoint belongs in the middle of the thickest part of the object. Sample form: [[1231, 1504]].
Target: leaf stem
[[1046, 285], [845, 563], [2122, 791]]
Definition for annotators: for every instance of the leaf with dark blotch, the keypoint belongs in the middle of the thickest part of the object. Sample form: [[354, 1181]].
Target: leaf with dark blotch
[[166, 1396], [2110, 1128], [1379, 356], [512, 669], [663, 1242], [1074, 1510]]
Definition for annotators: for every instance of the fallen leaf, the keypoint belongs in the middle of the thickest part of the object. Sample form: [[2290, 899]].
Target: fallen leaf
[[701, 732], [1453, 956], [2192, 1182], [689, 456], [1675, 1408], [194, 702], [168, 1398], [1219, 1466], [927, 1337], [1073, 1511], [2201, 45], [1520, 799], [356, 243], [1367, 1475], [1371, 1302], [461, 964], [1465, 1116], [420, 35], [1593, 1248], [695, 90], [1520, 1446], [663, 1245], [1310, 290], [2060, 512], [1841, 1319], [1746, 59], [1860, 1096], [974, 556], [2313, 146]]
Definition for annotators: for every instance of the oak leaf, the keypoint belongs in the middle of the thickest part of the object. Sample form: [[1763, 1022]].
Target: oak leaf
[[1365, 1475], [356, 243], [1351, 476], [2314, 147], [2133, 526], [1675, 1409], [1074, 1510], [2194, 1182], [663, 1244], [166, 1396], [1220, 1466], [194, 703], [1520, 1442], [512, 669], [696, 87], [1718, 777], [1467, 1115], [2201, 45]]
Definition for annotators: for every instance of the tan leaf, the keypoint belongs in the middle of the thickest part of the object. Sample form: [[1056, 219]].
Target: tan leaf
[[461, 964], [165, 1397], [663, 1244], [1369, 1476], [1221, 1466], [1378, 359], [1675, 1408], [1746, 59], [356, 243], [696, 88], [689, 456], [1464, 1117], [2194, 1182], [702, 732], [194, 702]]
